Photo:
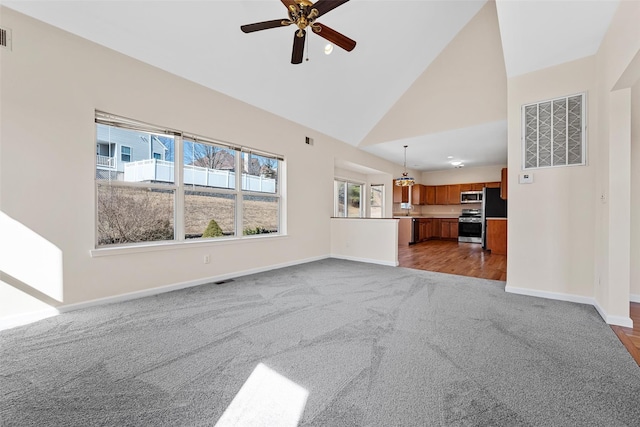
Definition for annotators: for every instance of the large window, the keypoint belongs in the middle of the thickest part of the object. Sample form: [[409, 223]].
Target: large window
[[175, 186], [347, 199]]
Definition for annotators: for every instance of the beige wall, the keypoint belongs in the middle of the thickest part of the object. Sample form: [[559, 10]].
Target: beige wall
[[570, 232], [365, 239], [464, 86], [613, 262], [635, 191], [551, 240], [463, 175], [51, 84]]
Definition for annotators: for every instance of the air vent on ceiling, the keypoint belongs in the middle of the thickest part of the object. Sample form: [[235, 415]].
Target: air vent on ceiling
[[5, 37]]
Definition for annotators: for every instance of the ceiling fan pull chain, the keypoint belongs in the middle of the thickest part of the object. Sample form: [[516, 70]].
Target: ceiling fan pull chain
[[307, 42]]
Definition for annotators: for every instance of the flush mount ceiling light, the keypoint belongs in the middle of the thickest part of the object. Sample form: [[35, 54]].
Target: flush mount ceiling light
[[328, 49], [457, 164], [405, 180]]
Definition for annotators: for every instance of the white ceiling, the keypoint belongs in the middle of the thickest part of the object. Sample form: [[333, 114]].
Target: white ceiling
[[343, 95]]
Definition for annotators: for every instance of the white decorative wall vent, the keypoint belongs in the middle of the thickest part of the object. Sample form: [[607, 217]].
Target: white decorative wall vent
[[5, 38], [554, 133]]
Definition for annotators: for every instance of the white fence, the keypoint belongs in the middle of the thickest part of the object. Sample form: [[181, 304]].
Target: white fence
[[162, 170]]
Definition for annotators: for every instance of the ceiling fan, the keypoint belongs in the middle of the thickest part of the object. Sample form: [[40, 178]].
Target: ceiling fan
[[303, 14]]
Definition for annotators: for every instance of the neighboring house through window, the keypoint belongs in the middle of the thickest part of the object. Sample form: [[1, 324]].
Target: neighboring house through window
[[125, 153], [185, 186]]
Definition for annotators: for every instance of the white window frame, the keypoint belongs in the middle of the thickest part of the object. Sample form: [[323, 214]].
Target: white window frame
[[178, 187], [130, 153], [363, 194], [382, 202]]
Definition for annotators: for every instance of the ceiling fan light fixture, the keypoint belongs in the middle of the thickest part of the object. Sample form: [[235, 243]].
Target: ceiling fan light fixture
[[328, 49], [456, 163], [405, 180]]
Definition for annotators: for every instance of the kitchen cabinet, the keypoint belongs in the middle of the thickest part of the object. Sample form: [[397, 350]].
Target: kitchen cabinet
[[497, 236], [430, 194], [418, 194], [492, 184], [503, 184], [442, 194], [466, 187], [400, 194], [449, 228], [453, 192], [477, 186], [436, 231]]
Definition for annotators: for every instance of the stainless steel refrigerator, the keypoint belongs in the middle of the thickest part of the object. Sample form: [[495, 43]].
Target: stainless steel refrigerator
[[492, 207]]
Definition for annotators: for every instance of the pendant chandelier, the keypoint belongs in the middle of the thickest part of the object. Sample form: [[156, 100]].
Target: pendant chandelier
[[405, 180]]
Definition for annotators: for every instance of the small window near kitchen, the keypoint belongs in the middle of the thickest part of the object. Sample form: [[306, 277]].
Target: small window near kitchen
[[376, 200], [554, 133], [347, 201]]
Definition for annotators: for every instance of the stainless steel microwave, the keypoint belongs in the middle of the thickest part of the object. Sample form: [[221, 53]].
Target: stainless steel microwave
[[471, 197]]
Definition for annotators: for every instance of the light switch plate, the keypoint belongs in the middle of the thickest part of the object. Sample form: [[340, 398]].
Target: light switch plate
[[525, 178]]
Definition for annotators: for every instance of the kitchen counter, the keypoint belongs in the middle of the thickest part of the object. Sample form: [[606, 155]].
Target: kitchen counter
[[437, 215]]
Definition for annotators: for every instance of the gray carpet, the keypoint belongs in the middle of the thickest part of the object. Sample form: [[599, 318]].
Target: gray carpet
[[373, 346]]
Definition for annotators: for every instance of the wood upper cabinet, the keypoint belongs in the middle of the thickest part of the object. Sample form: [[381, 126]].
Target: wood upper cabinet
[[453, 194], [466, 187], [477, 186], [492, 184], [442, 194], [400, 194], [430, 194], [419, 194], [503, 184]]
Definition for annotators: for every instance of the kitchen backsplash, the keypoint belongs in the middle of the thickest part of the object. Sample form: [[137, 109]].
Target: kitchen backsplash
[[434, 209]]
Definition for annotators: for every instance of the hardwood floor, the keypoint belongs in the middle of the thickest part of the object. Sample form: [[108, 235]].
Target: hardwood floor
[[469, 259], [630, 337], [445, 256]]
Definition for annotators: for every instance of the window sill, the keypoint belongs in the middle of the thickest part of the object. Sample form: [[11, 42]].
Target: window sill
[[167, 246]]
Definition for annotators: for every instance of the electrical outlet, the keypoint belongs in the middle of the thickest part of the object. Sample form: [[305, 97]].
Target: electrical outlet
[[207, 259]]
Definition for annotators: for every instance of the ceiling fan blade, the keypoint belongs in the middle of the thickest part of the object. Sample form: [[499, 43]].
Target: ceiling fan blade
[[324, 6], [298, 47], [334, 37], [250, 28]]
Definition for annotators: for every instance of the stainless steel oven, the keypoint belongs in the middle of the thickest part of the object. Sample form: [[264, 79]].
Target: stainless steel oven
[[470, 226]]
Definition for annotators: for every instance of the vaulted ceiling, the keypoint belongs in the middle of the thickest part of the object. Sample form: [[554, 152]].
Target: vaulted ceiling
[[429, 74]]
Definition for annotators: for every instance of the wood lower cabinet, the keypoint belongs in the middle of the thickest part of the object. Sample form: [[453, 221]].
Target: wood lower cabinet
[[503, 184], [436, 228], [497, 236], [449, 228]]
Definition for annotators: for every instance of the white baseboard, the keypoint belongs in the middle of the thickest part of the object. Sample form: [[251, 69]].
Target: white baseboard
[[610, 320], [13, 321], [367, 260], [634, 298], [551, 295]]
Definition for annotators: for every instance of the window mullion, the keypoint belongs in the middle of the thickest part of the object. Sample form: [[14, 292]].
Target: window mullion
[[239, 217], [178, 177]]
